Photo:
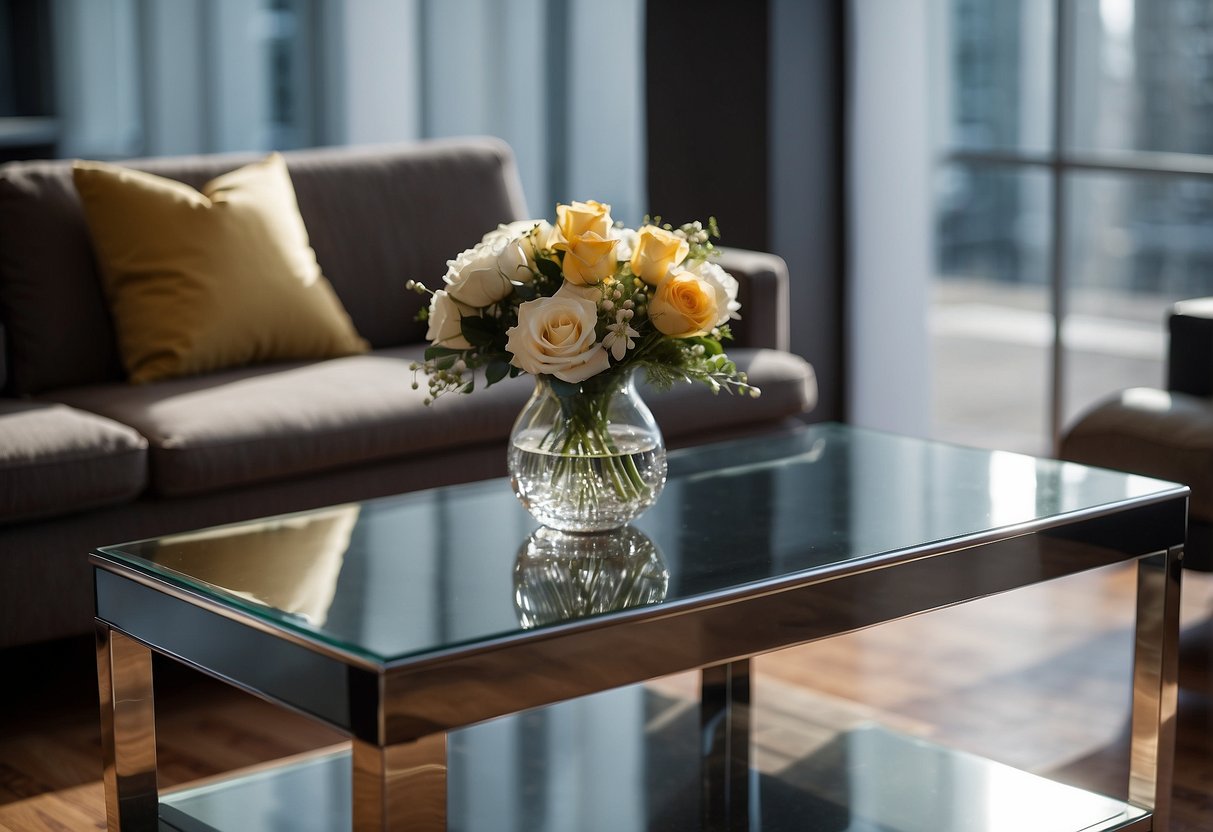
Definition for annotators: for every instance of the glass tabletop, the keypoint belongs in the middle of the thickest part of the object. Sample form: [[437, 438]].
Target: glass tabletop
[[420, 573]]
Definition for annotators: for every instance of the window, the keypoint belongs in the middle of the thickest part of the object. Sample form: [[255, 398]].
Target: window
[[156, 79], [1073, 205]]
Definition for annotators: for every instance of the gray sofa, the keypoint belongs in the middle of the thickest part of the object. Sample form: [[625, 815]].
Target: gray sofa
[[87, 459]]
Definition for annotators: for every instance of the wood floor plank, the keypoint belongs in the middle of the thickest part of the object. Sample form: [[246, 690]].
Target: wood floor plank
[[67, 810]]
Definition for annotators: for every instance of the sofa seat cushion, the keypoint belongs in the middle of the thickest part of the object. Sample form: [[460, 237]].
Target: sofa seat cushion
[[255, 424], [1154, 433], [57, 460], [268, 422]]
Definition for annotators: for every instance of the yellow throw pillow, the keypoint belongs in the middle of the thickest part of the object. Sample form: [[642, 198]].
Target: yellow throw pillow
[[203, 281]]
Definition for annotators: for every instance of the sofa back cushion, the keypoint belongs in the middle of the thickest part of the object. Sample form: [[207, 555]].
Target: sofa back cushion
[[376, 217]]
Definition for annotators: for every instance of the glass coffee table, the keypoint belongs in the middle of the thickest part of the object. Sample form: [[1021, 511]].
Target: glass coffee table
[[489, 673]]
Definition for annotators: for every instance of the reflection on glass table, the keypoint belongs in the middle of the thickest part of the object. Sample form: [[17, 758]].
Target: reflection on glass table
[[559, 576], [566, 767], [294, 568]]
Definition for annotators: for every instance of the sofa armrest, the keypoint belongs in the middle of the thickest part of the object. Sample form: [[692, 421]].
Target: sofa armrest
[[1190, 353], [763, 293]]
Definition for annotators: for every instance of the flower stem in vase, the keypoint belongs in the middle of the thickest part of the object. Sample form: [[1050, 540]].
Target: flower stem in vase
[[587, 460]]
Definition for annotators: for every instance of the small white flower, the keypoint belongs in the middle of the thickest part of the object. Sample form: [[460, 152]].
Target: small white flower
[[618, 338]]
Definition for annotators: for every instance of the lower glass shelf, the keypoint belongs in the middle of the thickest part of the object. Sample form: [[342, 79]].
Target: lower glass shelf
[[627, 760]]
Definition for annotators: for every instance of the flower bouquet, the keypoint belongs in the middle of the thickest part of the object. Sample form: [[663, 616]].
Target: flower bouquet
[[581, 305]]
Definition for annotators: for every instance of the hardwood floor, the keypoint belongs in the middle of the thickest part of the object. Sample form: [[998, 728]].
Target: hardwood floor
[[1036, 678], [50, 743]]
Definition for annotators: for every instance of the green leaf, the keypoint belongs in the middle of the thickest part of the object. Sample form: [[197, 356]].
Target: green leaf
[[525, 291], [711, 345], [549, 269], [564, 389], [495, 372], [438, 352], [479, 332]]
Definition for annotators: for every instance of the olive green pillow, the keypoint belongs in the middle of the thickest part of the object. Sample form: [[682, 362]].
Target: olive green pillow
[[201, 281]]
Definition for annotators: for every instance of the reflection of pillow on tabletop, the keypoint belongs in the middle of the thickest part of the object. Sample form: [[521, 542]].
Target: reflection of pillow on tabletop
[[289, 563], [201, 281]]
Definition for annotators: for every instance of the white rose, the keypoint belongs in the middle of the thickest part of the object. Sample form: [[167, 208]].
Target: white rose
[[510, 230], [535, 236], [555, 336], [725, 287], [481, 275], [445, 322], [627, 243], [514, 262]]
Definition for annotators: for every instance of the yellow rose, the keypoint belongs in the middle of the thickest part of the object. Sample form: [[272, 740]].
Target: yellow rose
[[683, 305], [657, 251], [583, 217], [588, 259]]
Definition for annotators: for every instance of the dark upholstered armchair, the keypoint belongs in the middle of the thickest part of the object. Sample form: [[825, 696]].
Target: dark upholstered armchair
[[1168, 433]]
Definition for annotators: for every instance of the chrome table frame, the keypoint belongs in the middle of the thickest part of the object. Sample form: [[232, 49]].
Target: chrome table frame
[[398, 714]]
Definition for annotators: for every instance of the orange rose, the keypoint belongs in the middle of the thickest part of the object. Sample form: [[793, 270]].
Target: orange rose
[[684, 306]]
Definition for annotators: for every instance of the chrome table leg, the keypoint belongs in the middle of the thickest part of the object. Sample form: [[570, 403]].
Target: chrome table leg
[[725, 745], [400, 786], [1155, 684], [128, 731]]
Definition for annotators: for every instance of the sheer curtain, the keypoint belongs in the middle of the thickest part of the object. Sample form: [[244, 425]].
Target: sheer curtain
[[889, 214], [560, 80]]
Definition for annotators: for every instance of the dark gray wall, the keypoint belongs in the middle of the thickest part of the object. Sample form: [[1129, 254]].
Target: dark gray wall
[[706, 115], [761, 148]]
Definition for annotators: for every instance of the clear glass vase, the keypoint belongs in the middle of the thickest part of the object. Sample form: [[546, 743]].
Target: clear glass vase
[[587, 457]]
